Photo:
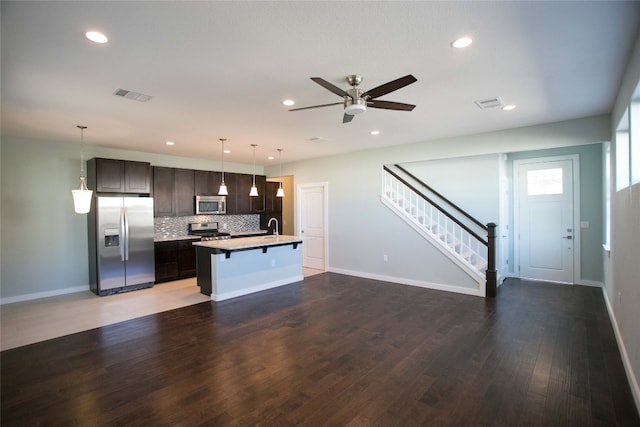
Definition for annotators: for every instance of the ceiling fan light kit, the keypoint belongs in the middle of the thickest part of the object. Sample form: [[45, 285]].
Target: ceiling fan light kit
[[353, 109], [355, 101]]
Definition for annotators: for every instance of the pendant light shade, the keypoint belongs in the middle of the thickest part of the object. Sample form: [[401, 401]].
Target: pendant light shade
[[254, 189], [82, 196], [223, 187], [280, 192]]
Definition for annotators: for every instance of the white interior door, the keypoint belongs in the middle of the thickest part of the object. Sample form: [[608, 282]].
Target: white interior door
[[312, 224], [545, 218]]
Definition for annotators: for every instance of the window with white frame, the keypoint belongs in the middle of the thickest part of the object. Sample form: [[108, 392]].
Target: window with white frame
[[607, 193], [634, 136], [622, 152]]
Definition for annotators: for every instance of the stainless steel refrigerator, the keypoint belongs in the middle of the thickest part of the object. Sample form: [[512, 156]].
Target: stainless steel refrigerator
[[121, 254]]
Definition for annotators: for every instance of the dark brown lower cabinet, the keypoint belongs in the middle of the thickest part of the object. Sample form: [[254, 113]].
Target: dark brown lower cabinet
[[175, 259], [187, 258]]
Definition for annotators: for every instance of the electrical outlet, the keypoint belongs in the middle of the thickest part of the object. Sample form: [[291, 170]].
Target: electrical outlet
[[385, 258], [619, 298], [273, 263], [224, 226]]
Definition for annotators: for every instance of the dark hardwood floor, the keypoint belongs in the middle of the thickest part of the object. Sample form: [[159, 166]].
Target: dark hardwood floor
[[335, 350]]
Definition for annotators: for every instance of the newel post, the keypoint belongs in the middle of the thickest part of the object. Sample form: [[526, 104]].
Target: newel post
[[492, 273]]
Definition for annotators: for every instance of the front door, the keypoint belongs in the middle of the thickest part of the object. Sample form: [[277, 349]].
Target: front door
[[311, 224], [545, 213]]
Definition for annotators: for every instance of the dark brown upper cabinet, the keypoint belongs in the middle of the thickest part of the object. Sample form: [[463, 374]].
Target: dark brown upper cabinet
[[238, 185], [119, 176], [184, 192], [241, 203], [162, 191], [257, 203], [173, 191], [273, 204], [207, 183]]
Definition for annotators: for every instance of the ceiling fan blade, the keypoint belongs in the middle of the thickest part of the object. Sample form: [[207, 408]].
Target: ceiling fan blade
[[390, 86], [317, 106], [388, 105], [346, 118], [325, 84]]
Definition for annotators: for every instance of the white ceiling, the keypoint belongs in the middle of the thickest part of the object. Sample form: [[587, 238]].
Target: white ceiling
[[221, 70]]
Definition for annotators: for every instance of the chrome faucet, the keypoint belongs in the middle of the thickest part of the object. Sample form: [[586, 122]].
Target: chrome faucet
[[269, 225]]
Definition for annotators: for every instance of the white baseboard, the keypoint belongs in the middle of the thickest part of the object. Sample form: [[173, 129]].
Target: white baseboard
[[47, 294], [592, 283], [402, 281], [631, 377]]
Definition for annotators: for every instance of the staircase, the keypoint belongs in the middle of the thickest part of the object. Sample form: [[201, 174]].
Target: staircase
[[454, 232]]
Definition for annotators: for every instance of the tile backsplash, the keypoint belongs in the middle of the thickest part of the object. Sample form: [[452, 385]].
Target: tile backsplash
[[167, 227]]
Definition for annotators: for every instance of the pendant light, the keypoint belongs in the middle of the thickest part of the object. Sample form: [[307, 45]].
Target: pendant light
[[223, 187], [254, 189], [82, 196], [280, 192]]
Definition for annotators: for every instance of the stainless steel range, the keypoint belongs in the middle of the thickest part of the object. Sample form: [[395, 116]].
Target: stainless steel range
[[207, 231]]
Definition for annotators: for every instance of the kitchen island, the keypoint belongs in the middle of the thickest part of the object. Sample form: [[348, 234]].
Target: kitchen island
[[233, 267]]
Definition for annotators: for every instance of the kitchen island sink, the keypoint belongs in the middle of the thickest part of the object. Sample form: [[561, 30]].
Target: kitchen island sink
[[234, 267]]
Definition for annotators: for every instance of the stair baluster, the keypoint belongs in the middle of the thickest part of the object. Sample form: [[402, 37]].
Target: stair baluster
[[443, 226]]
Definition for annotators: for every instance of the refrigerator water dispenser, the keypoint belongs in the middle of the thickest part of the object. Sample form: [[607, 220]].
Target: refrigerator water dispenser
[[111, 237]]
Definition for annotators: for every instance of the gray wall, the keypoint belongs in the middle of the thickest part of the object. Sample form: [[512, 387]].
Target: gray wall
[[591, 199], [472, 183], [362, 230], [43, 242], [40, 228], [622, 264]]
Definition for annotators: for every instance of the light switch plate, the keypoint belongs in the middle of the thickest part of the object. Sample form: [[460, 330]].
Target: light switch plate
[[584, 224]]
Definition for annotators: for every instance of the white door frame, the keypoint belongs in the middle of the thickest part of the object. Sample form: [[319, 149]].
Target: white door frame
[[575, 158], [504, 263], [298, 224]]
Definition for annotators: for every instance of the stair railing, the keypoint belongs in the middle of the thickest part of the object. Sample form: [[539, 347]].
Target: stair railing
[[453, 231]]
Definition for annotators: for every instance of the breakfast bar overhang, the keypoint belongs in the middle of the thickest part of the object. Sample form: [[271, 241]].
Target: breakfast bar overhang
[[234, 267]]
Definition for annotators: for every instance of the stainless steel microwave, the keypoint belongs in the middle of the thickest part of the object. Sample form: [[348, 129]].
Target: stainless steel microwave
[[211, 205]]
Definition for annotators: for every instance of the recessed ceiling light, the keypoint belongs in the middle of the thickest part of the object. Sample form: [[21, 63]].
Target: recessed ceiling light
[[271, 157], [509, 107], [375, 132], [96, 37], [461, 42], [288, 102], [170, 143], [227, 151]]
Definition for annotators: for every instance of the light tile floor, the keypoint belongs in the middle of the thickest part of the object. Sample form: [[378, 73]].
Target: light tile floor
[[27, 322]]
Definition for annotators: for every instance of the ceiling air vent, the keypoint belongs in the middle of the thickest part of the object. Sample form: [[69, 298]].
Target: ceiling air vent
[[135, 96], [317, 139], [486, 104]]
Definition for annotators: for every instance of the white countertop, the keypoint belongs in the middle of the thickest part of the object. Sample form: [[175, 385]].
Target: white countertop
[[248, 233], [249, 242], [171, 237]]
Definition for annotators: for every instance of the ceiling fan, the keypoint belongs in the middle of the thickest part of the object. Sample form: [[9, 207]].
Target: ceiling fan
[[356, 100]]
